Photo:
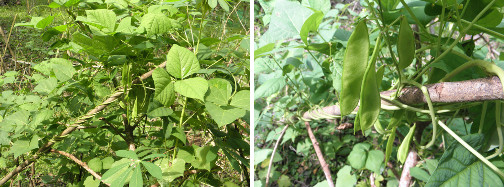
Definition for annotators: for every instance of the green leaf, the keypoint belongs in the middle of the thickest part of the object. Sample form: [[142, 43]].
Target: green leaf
[[96, 46], [322, 5], [192, 87], [219, 91], [63, 69], [322, 184], [390, 144], [261, 155], [224, 115], [107, 162], [311, 25], [153, 169], [212, 3], [459, 166], [180, 62], [159, 112], [345, 178], [23, 146], [205, 157], [125, 26], [178, 133], [224, 5], [103, 17], [357, 158], [354, 67], [418, 9], [127, 154], [165, 92], [403, 150], [286, 21], [156, 23], [405, 45], [136, 179], [96, 165], [91, 182], [33, 22], [230, 184], [174, 171], [269, 88], [241, 100], [4, 138], [46, 86], [419, 174], [264, 49], [116, 174], [374, 160], [284, 181], [44, 22]]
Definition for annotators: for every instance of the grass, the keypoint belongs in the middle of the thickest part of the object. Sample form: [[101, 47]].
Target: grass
[[25, 43]]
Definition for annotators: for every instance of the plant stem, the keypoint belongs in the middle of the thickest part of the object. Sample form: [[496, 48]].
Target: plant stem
[[323, 164], [273, 154], [426, 67], [472, 150]]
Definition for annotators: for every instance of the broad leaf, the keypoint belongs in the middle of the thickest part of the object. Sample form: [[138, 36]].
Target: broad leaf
[[286, 21], [374, 160], [311, 25], [46, 86], [95, 164], [91, 182], [103, 17], [180, 62], [459, 166], [219, 91], [153, 169], [241, 100], [127, 154], [224, 115], [269, 87], [205, 158], [136, 179], [165, 92], [345, 178], [193, 88], [357, 158], [63, 69], [156, 23], [175, 170]]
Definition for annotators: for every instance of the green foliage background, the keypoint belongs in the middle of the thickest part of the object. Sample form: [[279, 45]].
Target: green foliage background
[[308, 52], [187, 125]]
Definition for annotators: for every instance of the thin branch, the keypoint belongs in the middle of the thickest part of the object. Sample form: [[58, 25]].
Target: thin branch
[[323, 164], [80, 163], [483, 89], [273, 153], [47, 147], [410, 162]]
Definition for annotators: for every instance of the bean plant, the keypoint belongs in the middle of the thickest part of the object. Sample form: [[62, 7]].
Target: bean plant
[[137, 92], [378, 92]]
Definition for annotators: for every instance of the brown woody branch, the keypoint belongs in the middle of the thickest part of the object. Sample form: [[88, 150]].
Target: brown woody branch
[[79, 162], [410, 162], [73, 127], [323, 164], [483, 89]]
